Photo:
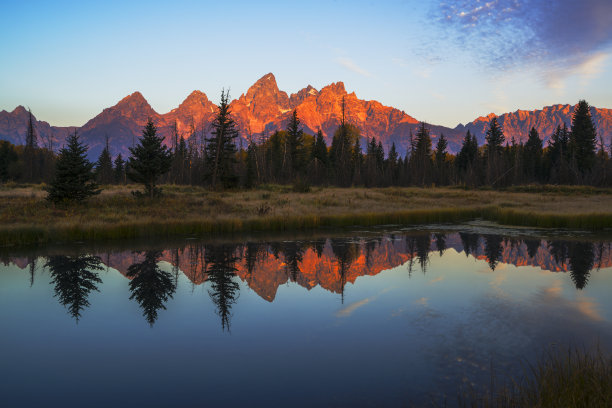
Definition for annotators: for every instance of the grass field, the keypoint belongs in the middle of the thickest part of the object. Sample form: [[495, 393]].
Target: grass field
[[26, 218]]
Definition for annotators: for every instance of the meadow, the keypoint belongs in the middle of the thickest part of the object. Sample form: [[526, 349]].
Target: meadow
[[27, 218]]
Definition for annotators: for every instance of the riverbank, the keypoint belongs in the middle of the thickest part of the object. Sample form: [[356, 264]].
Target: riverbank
[[26, 218]]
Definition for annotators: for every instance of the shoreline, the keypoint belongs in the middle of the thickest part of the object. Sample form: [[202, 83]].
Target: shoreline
[[27, 219]]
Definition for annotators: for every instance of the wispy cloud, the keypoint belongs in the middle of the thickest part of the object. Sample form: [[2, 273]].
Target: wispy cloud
[[585, 70], [557, 38], [585, 306], [436, 280], [352, 66], [422, 301], [349, 309]]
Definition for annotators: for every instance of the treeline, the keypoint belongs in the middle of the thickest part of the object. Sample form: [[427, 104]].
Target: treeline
[[574, 155]]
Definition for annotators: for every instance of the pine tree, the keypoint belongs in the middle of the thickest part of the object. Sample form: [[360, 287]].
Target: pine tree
[[119, 170], [251, 166], [533, 156], [356, 161], [495, 140], [467, 160], [319, 151], [557, 156], [8, 156], [440, 160], [583, 137], [221, 148], [295, 143], [373, 173], [392, 165], [73, 174], [104, 166], [29, 152], [149, 161], [319, 161], [422, 163]]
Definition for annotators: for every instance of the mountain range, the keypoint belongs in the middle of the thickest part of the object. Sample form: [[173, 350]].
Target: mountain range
[[264, 108]]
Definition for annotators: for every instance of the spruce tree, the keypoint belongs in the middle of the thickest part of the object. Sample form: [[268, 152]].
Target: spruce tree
[[119, 170], [557, 156], [74, 179], [29, 152], [149, 161], [356, 161], [583, 137], [372, 171], [319, 158], [295, 142], [532, 156], [440, 160], [221, 148], [392, 165], [421, 157], [462, 159], [8, 156], [104, 166], [319, 151], [495, 140], [251, 166]]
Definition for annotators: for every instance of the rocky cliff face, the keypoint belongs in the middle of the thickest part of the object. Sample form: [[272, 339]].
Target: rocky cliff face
[[518, 124], [14, 126], [264, 108]]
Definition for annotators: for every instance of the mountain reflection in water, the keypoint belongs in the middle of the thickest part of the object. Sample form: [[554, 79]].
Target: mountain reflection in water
[[265, 266], [365, 319]]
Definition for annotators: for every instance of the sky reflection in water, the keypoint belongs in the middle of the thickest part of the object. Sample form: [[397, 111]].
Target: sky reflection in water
[[388, 319]]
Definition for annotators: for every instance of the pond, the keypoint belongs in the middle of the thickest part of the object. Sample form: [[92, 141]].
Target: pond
[[384, 317]]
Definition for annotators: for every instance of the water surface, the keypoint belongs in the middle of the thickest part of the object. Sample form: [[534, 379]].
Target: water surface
[[377, 318]]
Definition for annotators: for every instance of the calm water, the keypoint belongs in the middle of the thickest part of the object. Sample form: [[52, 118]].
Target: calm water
[[378, 318]]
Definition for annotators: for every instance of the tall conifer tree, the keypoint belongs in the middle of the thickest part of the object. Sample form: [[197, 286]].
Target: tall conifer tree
[[73, 174], [221, 148], [583, 137], [150, 160]]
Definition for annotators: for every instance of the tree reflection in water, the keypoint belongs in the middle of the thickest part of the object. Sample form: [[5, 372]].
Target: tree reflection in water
[[74, 278], [333, 260], [224, 290], [345, 252], [151, 287]]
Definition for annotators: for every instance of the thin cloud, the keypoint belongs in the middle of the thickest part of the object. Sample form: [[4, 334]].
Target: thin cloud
[[436, 280], [585, 70], [422, 301], [348, 310], [351, 66], [558, 38]]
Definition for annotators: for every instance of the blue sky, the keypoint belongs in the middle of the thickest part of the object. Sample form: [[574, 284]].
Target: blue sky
[[444, 62]]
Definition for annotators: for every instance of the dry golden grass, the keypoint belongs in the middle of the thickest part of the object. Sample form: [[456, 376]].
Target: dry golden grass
[[25, 217]]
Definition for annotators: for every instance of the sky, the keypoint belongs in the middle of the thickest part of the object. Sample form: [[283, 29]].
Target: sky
[[444, 62]]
